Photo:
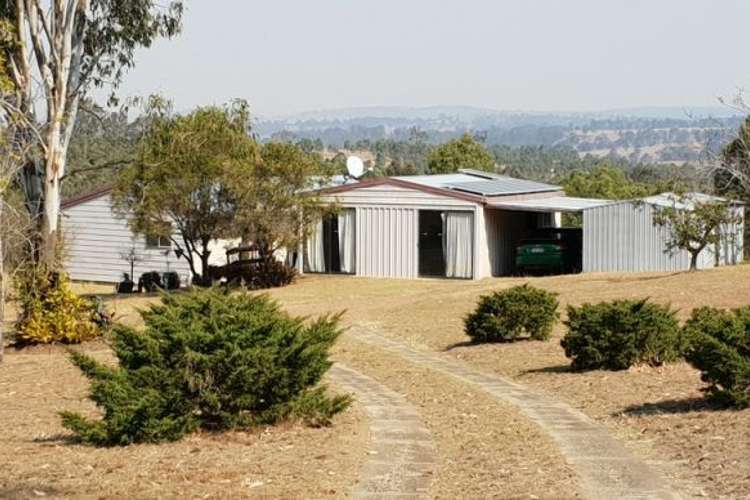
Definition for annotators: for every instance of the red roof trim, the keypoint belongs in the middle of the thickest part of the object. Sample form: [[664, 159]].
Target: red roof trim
[[83, 198], [389, 181]]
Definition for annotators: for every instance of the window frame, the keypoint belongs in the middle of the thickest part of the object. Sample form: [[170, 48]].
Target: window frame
[[156, 242]]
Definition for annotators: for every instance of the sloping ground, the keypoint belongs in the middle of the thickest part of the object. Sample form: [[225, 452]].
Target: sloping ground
[[605, 468], [660, 412], [479, 447], [401, 455], [281, 462], [484, 448]]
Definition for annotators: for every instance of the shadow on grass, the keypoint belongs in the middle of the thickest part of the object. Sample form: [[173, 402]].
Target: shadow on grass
[[109, 297], [60, 438], [463, 343], [31, 490], [550, 369], [674, 407], [472, 343], [645, 278]]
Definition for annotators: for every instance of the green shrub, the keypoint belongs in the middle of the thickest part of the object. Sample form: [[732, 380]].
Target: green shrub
[[51, 312], [619, 334], [719, 346], [509, 314], [208, 359]]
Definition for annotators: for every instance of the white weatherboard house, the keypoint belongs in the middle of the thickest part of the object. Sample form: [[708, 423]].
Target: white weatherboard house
[[467, 225], [97, 240]]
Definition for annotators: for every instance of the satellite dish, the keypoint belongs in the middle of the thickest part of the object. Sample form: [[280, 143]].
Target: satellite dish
[[355, 166]]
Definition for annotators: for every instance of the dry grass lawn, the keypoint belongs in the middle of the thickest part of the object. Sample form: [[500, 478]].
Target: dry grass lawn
[[659, 412], [290, 461], [485, 449]]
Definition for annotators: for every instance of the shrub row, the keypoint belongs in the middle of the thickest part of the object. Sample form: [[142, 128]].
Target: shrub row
[[622, 333]]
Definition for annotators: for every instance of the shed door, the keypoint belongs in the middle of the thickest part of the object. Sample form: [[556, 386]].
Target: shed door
[[431, 255]]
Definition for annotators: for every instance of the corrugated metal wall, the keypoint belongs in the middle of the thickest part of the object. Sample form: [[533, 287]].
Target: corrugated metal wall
[[622, 237], [732, 246], [505, 229], [387, 240]]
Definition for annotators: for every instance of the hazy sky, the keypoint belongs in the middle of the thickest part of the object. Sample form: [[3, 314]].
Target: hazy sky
[[574, 55]]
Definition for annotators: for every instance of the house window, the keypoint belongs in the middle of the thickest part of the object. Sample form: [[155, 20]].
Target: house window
[[154, 241]]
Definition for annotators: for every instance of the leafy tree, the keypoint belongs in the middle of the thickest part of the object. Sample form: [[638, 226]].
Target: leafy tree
[[182, 177], [60, 51], [6, 38], [275, 207], [693, 224], [103, 143], [605, 182], [465, 152]]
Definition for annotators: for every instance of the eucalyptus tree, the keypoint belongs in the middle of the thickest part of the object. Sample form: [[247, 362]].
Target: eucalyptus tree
[[54, 53], [278, 205], [181, 185]]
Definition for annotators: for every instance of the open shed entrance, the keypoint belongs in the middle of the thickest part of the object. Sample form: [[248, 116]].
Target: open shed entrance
[[431, 256], [446, 244], [331, 253], [330, 248], [528, 237]]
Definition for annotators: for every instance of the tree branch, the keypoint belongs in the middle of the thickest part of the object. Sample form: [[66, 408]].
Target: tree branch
[[101, 166]]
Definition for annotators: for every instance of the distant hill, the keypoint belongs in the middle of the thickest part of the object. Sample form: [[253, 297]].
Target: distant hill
[[666, 134]]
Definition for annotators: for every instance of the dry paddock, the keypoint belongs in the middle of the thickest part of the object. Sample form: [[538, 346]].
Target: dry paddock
[[659, 412], [483, 448]]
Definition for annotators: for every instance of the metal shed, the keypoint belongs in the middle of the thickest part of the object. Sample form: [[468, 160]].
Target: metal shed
[[621, 237], [390, 218]]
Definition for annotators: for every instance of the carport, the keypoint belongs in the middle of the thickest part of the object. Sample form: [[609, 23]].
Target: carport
[[552, 205], [510, 221]]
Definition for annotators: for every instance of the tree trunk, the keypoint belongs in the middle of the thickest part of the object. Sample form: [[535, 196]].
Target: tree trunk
[[205, 274], [50, 220], [694, 261], [55, 168]]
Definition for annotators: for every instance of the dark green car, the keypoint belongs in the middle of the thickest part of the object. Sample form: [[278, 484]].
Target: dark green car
[[553, 250]]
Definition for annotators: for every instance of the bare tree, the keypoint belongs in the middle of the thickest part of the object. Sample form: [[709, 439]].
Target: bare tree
[[730, 170], [132, 257], [14, 227], [58, 50]]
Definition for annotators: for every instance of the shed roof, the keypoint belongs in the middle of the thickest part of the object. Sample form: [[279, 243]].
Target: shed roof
[[401, 182], [552, 204], [686, 200], [481, 183], [83, 198]]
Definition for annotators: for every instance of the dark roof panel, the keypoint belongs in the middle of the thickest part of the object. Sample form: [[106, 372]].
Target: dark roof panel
[[502, 186]]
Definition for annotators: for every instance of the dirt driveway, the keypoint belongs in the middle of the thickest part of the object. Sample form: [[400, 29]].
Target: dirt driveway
[[659, 413]]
